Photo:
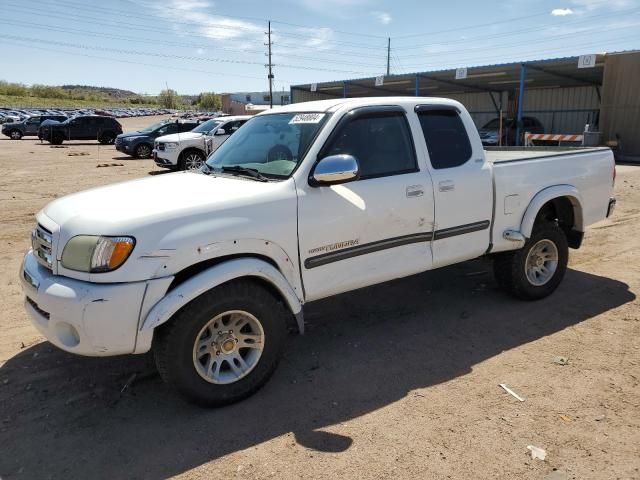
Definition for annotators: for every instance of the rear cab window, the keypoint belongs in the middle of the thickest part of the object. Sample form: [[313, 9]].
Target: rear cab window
[[445, 135]]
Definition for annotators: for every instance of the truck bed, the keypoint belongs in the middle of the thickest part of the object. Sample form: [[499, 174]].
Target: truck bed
[[519, 154]]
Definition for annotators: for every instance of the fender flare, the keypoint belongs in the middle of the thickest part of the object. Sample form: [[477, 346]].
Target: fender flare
[[546, 195], [217, 275]]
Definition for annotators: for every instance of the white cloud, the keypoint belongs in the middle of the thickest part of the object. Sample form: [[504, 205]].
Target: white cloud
[[383, 17], [200, 51], [561, 12], [213, 26], [311, 38], [333, 7]]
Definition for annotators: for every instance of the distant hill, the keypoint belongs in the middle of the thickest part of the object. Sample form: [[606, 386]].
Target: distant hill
[[115, 93]]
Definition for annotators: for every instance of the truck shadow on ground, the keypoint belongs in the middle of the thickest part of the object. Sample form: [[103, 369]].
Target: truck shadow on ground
[[65, 416]]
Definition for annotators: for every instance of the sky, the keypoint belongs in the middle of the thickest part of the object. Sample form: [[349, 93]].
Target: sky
[[209, 45]]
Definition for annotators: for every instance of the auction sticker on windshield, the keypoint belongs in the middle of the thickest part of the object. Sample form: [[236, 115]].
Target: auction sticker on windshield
[[307, 118]]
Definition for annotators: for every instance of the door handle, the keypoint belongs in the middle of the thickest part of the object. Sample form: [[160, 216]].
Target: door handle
[[446, 186], [415, 191]]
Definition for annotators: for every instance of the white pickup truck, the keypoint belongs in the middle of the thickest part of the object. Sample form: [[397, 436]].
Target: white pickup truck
[[304, 202], [188, 150]]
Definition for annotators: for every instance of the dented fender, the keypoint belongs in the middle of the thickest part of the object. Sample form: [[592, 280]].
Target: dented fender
[[217, 275]]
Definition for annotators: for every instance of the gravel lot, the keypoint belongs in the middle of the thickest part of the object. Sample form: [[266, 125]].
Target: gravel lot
[[395, 381]]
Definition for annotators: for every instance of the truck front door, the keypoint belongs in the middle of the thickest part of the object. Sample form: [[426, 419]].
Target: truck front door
[[462, 181], [373, 229]]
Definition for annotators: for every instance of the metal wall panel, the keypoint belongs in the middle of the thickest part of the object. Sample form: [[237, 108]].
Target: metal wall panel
[[307, 96], [621, 102], [562, 110]]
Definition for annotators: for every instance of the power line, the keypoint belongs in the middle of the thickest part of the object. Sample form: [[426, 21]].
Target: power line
[[334, 42], [522, 55], [513, 32], [168, 55], [221, 15], [133, 62], [489, 24], [551, 38], [74, 31]]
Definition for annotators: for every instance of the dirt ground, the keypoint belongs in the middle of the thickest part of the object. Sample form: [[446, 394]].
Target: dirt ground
[[395, 381]]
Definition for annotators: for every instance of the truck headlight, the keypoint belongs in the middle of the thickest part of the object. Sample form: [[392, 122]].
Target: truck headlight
[[94, 254], [170, 145]]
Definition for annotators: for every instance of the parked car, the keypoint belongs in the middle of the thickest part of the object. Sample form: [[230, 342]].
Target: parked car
[[211, 268], [139, 144], [188, 151], [490, 133], [28, 126], [83, 127]]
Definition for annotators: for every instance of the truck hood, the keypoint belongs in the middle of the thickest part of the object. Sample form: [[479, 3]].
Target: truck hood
[[177, 137], [123, 208]]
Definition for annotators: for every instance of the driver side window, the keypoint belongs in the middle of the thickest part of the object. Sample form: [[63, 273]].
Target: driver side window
[[380, 142]]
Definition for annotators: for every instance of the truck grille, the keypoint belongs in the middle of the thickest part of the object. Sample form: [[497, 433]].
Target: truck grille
[[42, 242]]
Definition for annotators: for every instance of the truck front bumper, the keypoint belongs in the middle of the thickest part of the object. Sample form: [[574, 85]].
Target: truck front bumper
[[161, 161], [80, 317]]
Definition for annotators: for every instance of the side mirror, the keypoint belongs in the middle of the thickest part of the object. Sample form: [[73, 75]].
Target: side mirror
[[333, 170], [220, 131]]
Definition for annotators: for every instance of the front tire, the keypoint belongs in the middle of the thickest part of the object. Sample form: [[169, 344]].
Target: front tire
[[534, 271], [191, 160], [57, 139], [15, 134], [143, 151], [224, 345]]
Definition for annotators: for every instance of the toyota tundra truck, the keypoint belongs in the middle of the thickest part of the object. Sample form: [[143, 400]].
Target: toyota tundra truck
[[373, 189]]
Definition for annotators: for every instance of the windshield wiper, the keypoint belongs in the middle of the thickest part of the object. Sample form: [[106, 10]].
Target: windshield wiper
[[249, 172]]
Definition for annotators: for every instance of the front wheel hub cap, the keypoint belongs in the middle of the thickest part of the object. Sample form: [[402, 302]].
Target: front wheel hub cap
[[228, 347]]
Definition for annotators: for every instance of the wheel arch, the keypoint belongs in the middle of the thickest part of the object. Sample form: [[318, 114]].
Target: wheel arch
[[561, 202], [186, 290]]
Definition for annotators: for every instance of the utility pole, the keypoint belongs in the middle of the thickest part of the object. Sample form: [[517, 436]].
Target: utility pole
[[270, 76], [388, 53]]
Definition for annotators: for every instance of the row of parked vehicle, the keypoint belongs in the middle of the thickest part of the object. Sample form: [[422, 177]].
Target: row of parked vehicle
[[10, 115], [58, 128]]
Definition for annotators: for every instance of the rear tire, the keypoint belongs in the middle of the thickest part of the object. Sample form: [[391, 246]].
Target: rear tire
[[57, 139], [200, 342], [534, 271]]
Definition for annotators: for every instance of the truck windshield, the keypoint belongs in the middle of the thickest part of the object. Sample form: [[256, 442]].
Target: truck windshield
[[272, 144], [207, 126]]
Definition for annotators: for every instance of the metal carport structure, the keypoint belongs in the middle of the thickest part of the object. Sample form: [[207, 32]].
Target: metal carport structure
[[501, 87]]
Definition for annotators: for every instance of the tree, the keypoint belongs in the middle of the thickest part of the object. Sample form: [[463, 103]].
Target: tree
[[168, 99], [209, 101]]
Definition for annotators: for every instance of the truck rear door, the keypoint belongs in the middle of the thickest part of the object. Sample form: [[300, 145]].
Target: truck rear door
[[462, 183], [373, 229]]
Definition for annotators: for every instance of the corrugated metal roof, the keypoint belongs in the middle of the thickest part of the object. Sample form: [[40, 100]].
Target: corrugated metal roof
[[544, 73]]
